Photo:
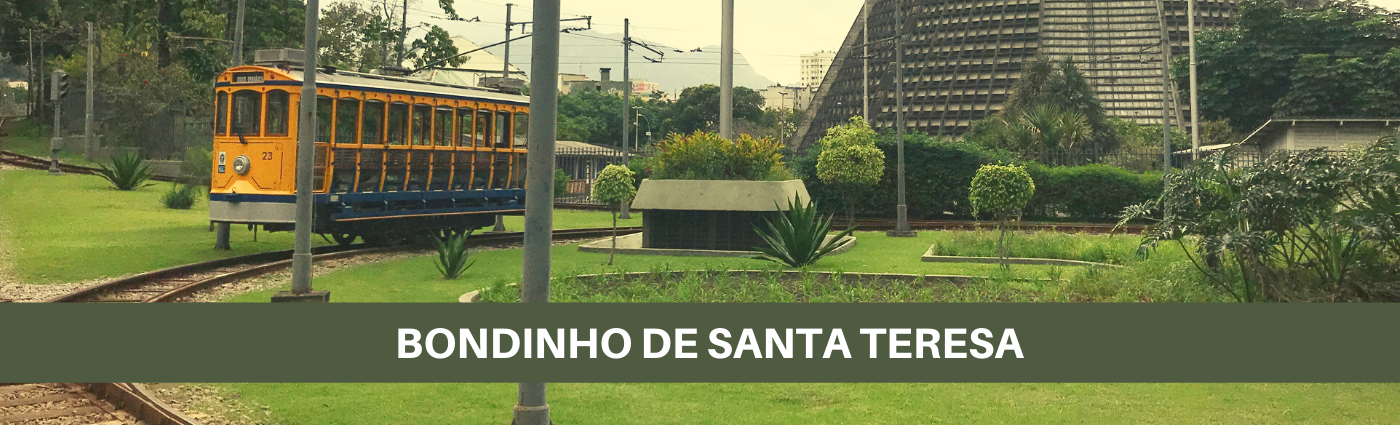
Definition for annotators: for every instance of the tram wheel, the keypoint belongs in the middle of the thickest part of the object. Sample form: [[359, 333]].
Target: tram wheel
[[343, 238]]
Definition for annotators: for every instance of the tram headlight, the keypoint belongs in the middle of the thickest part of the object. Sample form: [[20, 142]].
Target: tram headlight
[[241, 164]]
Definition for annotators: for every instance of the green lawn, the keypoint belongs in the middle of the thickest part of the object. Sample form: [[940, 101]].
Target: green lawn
[[576, 219], [417, 280], [26, 139], [74, 227], [577, 404]]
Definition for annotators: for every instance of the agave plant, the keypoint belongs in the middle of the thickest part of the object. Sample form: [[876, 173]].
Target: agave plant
[[798, 238], [128, 172], [452, 255]]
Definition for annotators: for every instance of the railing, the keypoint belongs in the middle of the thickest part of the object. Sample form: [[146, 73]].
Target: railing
[[582, 165]]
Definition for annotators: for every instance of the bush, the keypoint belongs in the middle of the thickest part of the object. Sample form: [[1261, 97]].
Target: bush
[[937, 174], [181, 197], [561, 183], [1001, 191], [849, 160], [706, 156], [198, 166], [1094, 192], [128, 172], [452, 255], [798, 238], [614, 186]]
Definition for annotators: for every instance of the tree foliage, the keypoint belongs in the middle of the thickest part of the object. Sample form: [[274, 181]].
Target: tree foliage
[[434, 46], [1051, 109], [706, 156], [1301, 226], [849, 160], [1001, 191], [697, 108], [1341, 60], [614, 185]]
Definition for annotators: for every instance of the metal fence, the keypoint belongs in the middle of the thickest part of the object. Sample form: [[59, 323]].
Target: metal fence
[[164, 132], [1138, 161], [582, 165]]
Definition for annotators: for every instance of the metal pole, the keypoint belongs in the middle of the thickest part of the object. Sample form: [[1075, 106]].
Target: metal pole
[[1166, 92], [88, 138], [626, 210], [1195, 104], [505, 66], [238, 35], [403, 25], [57, 139], [530, 407], [865, 63], [32, 98], [306, 145], [901, 210], [726, 71]]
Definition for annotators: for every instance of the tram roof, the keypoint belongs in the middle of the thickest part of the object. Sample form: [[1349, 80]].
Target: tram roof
[[405, 85]]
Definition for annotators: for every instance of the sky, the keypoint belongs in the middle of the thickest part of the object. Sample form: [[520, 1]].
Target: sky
[[771, 34]]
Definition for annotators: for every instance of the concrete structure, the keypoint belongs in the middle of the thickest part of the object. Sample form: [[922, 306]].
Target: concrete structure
[[716, 215], [814, 67], [566, 79], [1304, 134], [962, 58], [643, 87], [780, 97], [479, 65]]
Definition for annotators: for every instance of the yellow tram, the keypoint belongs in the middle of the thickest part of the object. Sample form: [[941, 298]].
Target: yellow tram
[[395, 157]]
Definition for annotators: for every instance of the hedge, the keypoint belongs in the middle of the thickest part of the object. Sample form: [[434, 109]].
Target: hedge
[[938, 173]]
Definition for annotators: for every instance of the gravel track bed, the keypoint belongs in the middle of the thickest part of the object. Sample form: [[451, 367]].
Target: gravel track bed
[[43, 390]]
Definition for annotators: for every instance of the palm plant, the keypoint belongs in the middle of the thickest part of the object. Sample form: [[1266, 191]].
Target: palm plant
[[452, 255], [128, 172], [798, 238]]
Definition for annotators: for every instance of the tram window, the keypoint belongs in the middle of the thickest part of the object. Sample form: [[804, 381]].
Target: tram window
[[278, 105], [422, 122], [324, 112], [247, 110], [442, 126], [502, 129], [347, 119], [522, 129], [483, 129], [372, 130], [464, 127], [221, 114], [398, 123]]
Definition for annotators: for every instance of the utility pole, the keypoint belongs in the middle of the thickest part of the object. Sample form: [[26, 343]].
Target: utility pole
[[306, 145], [626, 212], [56, 142], [31, 98], [530, 407], [403, 26], [505, 66], [88, 138], [1166, 92], [726, 71], [238, 35], [1195, 103], [865, 63], [902, 209]]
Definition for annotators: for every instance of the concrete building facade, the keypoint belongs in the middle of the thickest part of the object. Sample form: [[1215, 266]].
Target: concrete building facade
[[962, 58], [782, 97], [814, 67], [1286, 134]]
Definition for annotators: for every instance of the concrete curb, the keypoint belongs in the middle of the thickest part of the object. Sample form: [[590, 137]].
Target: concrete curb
[[930, 258]]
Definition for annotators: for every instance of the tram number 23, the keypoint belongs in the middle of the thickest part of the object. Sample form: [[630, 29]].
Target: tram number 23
[[267, 156]]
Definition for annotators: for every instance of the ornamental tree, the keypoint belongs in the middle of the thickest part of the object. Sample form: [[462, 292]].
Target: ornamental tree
[[850, 161], [614, 186], [1000, 191]]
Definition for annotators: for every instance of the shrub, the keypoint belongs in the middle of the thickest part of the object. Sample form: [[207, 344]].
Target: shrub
[[561, 183], [849, 160], [1094, 192], [706, 156], [128, 172], [937, 174], [614, 186], [198, 166], [1000, 191], [180, 196], [798, 238], [452, 255]]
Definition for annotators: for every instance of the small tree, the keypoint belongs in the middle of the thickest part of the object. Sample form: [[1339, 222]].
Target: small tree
[[850, 161], [614, 186], [1001, 191]]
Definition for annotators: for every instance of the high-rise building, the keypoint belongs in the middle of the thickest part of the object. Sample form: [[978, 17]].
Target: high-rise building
[[814, 67], [962, 57]]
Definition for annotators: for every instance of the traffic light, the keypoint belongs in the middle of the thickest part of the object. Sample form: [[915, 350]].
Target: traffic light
[[60, 85]]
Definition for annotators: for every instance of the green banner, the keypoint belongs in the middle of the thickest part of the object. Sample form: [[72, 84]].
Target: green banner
[[700, 343]]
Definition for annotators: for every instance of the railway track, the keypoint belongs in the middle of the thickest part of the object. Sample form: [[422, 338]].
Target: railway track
[[37, 163], [93, 404]]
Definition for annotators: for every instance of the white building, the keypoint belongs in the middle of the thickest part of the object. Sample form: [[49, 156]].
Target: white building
[[780, 97], [814, 68]]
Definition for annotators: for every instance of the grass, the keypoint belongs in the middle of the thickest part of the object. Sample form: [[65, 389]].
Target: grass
[[314, 404], [576, 219], [1116, 249], [25, 138], [74, 227], [417, 280]]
